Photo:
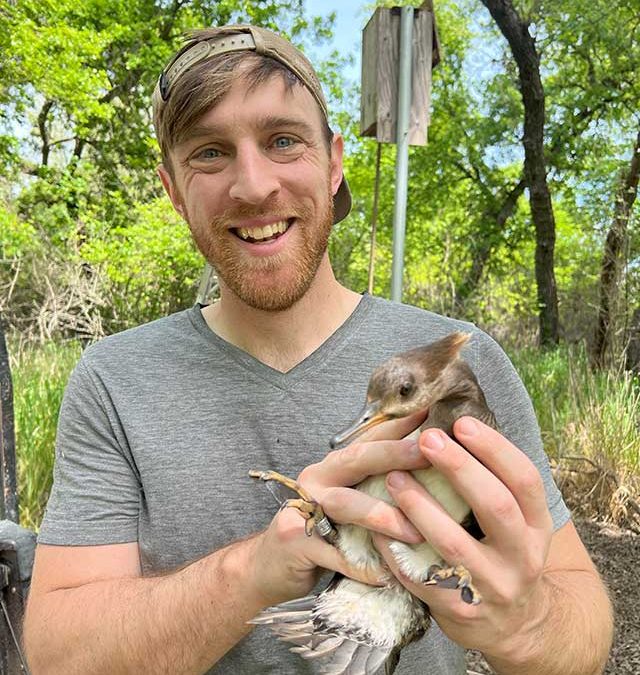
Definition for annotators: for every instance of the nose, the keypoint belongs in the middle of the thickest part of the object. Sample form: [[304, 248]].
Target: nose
[[254, 177]]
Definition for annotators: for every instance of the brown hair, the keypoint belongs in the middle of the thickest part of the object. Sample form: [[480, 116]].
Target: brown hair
[[204, 85]]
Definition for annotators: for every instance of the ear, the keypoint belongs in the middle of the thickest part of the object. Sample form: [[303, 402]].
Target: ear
[[172, 191], [337, 148]]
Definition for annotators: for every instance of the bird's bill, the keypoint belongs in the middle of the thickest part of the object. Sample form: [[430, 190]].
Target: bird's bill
[[369, 417]]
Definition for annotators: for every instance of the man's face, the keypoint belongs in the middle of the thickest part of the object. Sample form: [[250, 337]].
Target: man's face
[[255, 182]]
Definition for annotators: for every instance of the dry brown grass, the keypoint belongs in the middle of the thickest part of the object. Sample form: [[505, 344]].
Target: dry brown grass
[[590, 423]]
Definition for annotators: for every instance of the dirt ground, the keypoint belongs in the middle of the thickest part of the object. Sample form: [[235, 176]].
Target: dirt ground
[[616, 553]]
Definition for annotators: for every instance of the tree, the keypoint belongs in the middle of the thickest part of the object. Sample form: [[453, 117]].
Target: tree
[[613, 258], [595, 52], [523, 47]]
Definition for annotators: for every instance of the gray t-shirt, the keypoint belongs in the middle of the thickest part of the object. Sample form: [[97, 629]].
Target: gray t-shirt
[[161, 424]]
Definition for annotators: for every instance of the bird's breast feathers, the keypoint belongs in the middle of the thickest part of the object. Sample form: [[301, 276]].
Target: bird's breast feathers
[[414, 559]]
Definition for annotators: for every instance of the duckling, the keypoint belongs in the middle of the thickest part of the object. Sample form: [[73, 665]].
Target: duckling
[[352, 628]]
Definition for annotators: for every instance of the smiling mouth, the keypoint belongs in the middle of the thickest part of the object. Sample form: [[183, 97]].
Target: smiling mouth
[[264, 233]]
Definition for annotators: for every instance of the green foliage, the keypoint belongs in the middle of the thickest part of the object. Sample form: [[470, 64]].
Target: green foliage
[[88, 70], [82, 184], [546, 376], [457, 185], [18, 237], [39, 377], [77, 157], [151, 266], [589, 425], [580, 410]]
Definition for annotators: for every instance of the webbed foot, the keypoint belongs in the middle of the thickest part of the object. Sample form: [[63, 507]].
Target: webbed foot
[[454, 577]]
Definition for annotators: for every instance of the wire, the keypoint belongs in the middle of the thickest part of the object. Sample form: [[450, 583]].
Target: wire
[[24, 667]]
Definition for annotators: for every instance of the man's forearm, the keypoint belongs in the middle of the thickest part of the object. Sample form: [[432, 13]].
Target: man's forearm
[[573, 637], [179, 623]]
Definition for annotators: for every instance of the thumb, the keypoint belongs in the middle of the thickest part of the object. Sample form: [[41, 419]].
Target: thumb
[[329, 557]]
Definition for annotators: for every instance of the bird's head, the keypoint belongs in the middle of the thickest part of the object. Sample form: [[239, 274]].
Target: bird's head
[[407, 383]]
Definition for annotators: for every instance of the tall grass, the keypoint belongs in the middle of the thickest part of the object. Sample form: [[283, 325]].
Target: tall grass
[[39, 373], [589, 421], [546, 377]]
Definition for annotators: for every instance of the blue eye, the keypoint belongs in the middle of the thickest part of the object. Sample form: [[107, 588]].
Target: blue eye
[[208, 153], [283, 142]]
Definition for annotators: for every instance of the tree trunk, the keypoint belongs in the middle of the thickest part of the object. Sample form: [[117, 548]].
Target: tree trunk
[[613, 259], [523, 49]]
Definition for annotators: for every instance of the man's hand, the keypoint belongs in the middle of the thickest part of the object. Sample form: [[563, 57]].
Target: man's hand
[[515, 622], [505, 491], [287, 562]]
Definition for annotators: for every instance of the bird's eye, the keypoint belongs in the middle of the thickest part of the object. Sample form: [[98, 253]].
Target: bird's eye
[[406, 389]]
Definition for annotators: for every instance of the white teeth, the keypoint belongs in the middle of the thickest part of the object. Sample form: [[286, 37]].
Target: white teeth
[[259, 233]]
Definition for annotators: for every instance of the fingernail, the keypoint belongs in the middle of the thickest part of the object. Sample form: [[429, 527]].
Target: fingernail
[[433, 440], [466, 426], [396, 479]]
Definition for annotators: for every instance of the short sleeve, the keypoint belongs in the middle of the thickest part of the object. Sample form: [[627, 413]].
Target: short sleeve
[[96, 492], [511, 404]]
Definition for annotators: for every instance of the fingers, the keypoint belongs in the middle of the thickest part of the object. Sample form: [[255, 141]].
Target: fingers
[[452, 542], [300, 553], [351, 465], [495, 507], [345, 505], [491, 480], [436, 597], [510, 465], [330, 558]]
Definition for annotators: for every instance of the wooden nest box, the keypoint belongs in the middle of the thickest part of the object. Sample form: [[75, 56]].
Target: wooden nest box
[[380, 51]]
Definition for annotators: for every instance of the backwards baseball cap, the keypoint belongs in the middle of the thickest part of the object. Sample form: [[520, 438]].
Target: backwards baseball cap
[[261, 41]]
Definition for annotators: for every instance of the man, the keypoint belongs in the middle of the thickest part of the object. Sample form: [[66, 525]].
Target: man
[[157, 548]]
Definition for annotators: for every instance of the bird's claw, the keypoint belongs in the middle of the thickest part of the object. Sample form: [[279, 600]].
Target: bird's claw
[[454, 577], [306, 505]]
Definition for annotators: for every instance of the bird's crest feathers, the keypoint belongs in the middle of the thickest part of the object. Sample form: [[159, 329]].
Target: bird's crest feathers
[[448, 348]]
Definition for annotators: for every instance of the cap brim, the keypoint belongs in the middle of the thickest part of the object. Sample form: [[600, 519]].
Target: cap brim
[[341, 201]]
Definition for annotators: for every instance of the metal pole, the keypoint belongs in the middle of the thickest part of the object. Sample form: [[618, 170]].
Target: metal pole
[[402, 156]]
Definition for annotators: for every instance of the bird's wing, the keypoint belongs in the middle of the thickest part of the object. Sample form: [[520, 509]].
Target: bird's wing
[[335, 653]]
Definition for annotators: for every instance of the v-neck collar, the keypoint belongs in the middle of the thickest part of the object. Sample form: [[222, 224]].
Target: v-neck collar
[[334, 343]]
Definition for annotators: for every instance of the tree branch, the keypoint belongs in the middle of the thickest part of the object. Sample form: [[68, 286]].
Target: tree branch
[[44, 132]]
